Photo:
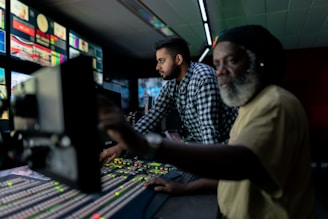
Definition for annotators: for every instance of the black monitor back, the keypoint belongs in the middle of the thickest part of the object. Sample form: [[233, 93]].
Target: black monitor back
[[66, 108]]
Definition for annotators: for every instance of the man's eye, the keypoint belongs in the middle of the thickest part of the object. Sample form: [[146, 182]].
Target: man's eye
[[216, 65]]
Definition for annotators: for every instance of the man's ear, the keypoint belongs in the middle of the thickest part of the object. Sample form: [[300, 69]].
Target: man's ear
[[178, 59]]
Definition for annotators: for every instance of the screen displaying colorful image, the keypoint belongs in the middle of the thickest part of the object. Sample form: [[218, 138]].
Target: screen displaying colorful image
[[2, 27], [148, 87], [3, 92], [78, 45], [35, 37], [16, 78]]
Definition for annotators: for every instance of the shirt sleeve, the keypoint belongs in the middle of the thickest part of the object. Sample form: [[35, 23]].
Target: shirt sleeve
[[162, 106]]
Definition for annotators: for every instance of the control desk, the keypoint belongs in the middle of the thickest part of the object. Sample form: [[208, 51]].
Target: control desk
[[28, 194], [65, 179]]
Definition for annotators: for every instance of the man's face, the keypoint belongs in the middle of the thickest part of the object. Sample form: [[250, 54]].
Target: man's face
[[166, 65], [236, 72]]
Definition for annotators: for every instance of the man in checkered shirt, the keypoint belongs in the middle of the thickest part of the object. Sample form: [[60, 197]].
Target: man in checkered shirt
[[192, 89]]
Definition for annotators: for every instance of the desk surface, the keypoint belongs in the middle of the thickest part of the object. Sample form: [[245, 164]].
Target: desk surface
[[189, 207]]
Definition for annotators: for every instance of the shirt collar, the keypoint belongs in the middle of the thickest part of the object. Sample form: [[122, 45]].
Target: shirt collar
[[185, 81]]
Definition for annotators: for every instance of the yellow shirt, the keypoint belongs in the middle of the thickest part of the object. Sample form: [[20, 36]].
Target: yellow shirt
[[274, 126]]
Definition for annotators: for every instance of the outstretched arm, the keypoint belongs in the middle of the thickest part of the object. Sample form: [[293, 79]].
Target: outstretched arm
[[232, 162]]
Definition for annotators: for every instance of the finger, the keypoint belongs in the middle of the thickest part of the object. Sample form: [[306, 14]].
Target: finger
[[102, 156], [160, 189], [160, 181], [111, 158], [149, 183], [154, 181]]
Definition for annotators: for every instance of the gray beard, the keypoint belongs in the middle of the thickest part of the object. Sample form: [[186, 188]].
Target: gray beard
[[241, 89]]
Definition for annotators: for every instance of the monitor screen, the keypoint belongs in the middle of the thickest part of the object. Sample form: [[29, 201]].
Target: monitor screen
[[148, 87], [3, 93], [16, 78], [35, 37], [79, 45], [2, 27], [121, 86]]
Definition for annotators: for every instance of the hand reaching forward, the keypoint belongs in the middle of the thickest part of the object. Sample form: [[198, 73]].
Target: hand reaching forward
[[168, 186], [113, 122], [109, 154]]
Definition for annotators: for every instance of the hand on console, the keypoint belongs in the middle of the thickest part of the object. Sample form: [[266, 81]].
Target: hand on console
[[167, 186], [109, 154], [113, 122]]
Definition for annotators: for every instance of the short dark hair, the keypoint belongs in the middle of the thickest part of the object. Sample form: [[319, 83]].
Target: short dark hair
[[175, 45]]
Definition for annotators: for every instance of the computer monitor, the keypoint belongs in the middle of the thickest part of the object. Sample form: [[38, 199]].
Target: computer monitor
[[148, 87], [59, 120], [17, 78], [4, 115], [114, 96], [121, 86], [3, 28]]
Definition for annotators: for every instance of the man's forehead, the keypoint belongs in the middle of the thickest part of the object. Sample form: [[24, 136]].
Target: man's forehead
[[226, 48], [162, 53]]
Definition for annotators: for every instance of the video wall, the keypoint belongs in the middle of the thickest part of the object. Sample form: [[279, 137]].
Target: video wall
[[35, 37], [78, 45], [3, 93], [31, 39], [2, 27]]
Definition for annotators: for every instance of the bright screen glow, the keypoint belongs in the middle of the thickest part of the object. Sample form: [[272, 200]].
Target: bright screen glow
[[16, 78], [149, 87], [3, 92], [35, 37], [2, 27], [78, 45]]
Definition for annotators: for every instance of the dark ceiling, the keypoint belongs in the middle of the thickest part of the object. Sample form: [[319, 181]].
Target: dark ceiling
[[297, 23]]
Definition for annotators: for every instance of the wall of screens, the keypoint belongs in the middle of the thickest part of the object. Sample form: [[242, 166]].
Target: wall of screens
[[78, 45], [35, 37], [2, 27], [31, 38], [3, 93]]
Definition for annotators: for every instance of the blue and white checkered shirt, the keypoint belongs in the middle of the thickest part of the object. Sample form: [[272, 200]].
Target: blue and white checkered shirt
[[197, 99]]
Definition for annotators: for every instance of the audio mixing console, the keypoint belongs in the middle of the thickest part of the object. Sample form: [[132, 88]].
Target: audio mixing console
[[27, 194]]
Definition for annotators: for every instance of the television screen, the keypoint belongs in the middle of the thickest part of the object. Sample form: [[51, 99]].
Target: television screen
[[148, 87], [121, 86], [3, 93], [35, 37], [16, 78], [2, 27], [79, 45]]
